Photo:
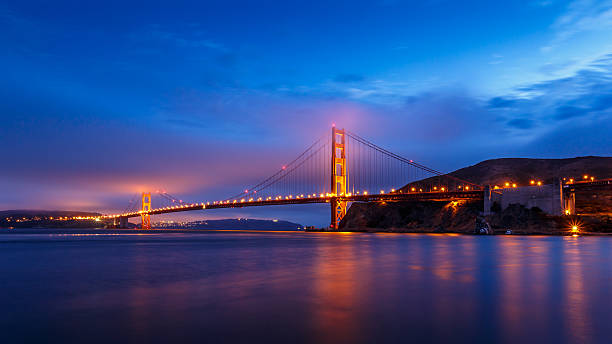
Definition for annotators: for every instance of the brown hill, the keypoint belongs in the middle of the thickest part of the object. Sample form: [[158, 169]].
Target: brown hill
[[440, 217], [522, 170]]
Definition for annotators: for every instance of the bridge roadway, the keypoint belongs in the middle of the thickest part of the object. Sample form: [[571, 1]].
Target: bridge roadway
[[588, 184], [390, 197]]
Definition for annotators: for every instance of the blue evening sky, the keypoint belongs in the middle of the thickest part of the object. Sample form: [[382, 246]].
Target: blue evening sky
[[101, 100]]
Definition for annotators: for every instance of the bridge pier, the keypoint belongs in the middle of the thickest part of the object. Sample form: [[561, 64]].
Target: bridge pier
[[123, 222], [488, 201], [338, 176], [569, 202]]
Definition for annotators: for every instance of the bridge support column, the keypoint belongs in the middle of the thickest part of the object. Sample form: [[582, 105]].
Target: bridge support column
[[569, 202], [487, 202], [558, 206], [123, 222], [338, 177], [146, 206]]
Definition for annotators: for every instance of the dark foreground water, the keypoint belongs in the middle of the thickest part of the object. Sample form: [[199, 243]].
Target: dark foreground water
[[293, 287]]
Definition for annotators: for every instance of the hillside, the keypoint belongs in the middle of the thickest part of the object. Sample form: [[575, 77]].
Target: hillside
[[445, 217], [523, 170]]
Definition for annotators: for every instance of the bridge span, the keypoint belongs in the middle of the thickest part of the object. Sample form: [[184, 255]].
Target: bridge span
[[341, 168], [391, 197]]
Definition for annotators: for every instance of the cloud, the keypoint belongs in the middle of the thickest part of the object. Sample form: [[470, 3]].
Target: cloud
[[568, 111], [582, 16], [496, 59], [552, 69], [502, 102], [542, 3], [187, 38], [347, 78], [521, 123], [573, 138]]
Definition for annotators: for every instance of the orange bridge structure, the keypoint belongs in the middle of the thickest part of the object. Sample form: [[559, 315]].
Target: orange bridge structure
[[339, 168]]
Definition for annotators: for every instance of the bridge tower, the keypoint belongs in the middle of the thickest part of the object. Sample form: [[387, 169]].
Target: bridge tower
[[146, 206], [338, 176]]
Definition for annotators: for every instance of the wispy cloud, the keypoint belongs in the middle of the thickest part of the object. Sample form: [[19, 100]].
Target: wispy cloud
[[496, 59], [542, 3], [192, 38], [347, 78], [581, 16]]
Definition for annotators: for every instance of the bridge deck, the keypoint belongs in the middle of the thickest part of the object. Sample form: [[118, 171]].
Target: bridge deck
[[588, 184], [391, 197]]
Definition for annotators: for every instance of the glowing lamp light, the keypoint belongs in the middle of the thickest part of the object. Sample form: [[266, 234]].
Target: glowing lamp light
[[585, 176], [506, 184], [532, 182], [513, 185], [539, 183]]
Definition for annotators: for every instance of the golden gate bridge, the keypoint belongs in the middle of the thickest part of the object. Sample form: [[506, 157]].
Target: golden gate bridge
[[339, 168]]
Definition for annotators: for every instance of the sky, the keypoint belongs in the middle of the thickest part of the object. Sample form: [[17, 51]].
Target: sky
[[99, 101]]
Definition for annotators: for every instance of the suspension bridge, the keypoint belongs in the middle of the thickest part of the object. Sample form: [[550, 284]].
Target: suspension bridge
[[339, 168]]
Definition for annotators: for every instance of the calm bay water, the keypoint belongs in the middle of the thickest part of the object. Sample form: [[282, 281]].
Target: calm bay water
[[294, 287]]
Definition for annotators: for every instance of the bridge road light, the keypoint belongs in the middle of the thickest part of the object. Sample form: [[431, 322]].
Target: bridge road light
[[507, 184], [532, 182], [585, 177], [513, 185], [539, 183]]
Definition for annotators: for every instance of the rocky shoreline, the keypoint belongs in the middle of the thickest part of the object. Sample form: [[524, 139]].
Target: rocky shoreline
[[462, 217]]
